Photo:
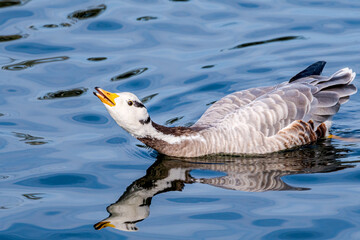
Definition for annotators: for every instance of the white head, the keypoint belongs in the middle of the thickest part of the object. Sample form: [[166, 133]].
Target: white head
[[127, 110]]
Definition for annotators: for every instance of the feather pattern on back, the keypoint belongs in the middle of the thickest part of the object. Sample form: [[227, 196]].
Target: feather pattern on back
[[260, 120]]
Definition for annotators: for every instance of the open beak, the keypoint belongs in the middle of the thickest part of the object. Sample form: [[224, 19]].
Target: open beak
[[105, 96], [101, 225]]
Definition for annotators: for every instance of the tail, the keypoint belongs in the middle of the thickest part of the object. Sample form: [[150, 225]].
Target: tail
[[330, 93], [313, 69]]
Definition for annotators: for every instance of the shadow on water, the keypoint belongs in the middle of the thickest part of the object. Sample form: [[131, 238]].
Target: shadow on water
[[250, 174]]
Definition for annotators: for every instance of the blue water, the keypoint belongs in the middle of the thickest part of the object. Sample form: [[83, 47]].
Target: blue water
[[63, 159]]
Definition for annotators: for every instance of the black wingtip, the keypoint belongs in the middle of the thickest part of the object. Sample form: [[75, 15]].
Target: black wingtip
[[313, 69]]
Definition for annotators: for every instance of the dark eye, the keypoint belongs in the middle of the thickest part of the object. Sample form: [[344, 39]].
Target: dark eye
[[130, 103]]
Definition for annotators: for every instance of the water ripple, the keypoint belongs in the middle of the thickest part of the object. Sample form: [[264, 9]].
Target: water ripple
[[8, 202], [148, 98], [90, 118], [104, 26], [7, 38], [64, 93], [96, 59], [30, 63], [29, 139], [10, 3], [33, 196], [129, 74], [63, 180], [36, 48], [44, 98], [208, 66], [50, 26], [6, 60], [146, 18], [87, 13], [321, 229], [173, 120], [218, 216], [9, 15], [279, 39]]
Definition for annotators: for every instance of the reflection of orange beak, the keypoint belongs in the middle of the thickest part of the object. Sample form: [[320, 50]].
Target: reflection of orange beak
[[101, 225], [106, 97]]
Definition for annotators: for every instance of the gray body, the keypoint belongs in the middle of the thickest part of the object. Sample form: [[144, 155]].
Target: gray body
[[261, 120]]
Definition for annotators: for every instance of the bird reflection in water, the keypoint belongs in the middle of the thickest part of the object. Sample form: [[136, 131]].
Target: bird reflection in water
[[251, 174]]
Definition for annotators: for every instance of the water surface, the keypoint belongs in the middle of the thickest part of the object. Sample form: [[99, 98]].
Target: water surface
[[64, 160]]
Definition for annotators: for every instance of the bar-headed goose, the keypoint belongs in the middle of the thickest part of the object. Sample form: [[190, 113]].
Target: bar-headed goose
[[253, 121]]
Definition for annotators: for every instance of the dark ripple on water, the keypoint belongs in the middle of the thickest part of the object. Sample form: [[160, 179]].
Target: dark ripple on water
[[96, 59], [33, 196], [146, 18], [7, 38], [129, 74], [64, 93], [148, 98], [50, 26], [279, 39], [173, 120], [10, 3], [87, 13], [30, 63], [208, 66], [29, 139]]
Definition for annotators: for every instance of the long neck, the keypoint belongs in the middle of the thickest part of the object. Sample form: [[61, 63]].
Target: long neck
[[160, 137]]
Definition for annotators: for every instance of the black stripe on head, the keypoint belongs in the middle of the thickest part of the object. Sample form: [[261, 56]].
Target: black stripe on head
[[138, 104], [143, 122]]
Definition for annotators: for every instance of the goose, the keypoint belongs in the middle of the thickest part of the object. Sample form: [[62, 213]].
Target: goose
[[255, 121]]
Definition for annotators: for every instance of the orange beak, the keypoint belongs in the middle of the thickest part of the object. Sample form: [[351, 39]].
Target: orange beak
[[106, 97], [101, 225]]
